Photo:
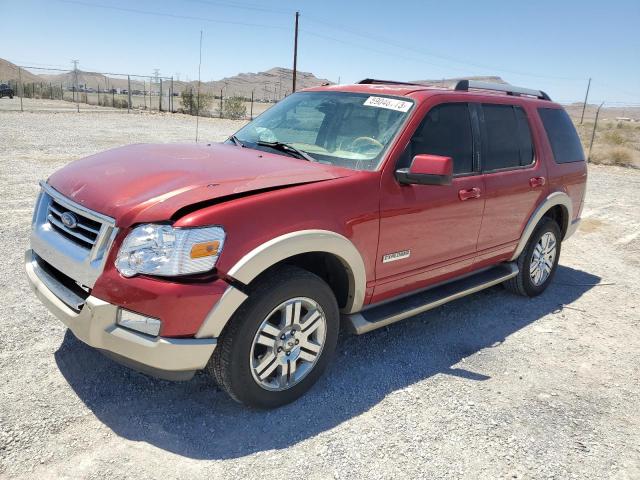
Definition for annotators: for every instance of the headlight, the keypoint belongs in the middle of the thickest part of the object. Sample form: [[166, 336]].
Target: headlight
[[167, 251]]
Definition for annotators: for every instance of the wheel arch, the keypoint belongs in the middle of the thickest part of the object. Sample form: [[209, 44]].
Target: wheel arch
[[295, 247], [319, 251], [557, 205]]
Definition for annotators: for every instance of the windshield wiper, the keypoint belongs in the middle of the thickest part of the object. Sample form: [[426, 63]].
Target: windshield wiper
[[236, 140], [287, 148]]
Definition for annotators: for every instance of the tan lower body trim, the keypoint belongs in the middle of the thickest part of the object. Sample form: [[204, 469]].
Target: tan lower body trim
[[220, 314], [96, 326]]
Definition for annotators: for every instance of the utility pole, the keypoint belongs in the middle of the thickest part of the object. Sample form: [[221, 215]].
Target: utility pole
[[593, 133], [225, 86], [584, 105], [198, 105], [75, 77], [129, 94], [295, 53], [20, 88], [251, 114]]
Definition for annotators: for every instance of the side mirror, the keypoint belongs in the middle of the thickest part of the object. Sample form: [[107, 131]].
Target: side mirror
[[427, 170]]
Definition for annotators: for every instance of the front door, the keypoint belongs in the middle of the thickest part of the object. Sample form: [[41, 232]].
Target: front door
[[430, 232]]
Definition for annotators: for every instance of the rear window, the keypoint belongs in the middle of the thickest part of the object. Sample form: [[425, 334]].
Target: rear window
[[507, 138], [562, 135]]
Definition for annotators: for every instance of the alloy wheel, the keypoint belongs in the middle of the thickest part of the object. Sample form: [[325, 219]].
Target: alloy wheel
[[542, 259], [288, 344]]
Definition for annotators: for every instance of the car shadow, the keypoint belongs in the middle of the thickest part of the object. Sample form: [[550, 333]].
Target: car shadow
[[197, 420]]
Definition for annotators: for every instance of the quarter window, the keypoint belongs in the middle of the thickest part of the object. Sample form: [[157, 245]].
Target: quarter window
[[446, 131], [507, 137], [562, 135], [524, 137]]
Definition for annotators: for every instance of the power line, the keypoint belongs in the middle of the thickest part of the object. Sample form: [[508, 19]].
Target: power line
[[369, 49], [244, 6], [171, 15], [388, 41]]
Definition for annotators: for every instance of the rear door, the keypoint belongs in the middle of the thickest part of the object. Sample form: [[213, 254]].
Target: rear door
[[515, 179]]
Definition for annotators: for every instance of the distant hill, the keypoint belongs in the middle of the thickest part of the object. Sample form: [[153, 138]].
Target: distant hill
[[91, 80], [269, 85], [274, 83], [9, 71], [451, 82]]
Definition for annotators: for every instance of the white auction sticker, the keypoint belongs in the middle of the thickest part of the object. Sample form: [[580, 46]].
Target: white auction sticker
[[390, 103]]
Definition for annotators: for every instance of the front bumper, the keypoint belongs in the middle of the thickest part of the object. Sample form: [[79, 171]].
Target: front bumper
[[95, 325]]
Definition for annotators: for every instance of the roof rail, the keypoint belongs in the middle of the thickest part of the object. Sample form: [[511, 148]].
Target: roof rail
[[375, 81], [465, 85]]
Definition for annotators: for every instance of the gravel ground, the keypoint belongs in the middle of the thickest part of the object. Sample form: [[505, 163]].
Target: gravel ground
[[491, 386]]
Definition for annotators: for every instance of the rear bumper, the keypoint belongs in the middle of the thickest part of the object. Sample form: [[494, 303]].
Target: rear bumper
[[95, 325]]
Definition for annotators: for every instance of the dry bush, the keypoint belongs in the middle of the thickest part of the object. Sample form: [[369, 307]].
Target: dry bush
[[120, 103], [614, 137], [620, 156]]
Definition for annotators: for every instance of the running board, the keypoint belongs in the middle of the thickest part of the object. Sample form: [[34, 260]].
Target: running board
[[396, 310]]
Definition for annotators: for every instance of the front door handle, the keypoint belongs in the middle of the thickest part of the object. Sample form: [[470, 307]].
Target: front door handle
[[469, 193], [537, 182]]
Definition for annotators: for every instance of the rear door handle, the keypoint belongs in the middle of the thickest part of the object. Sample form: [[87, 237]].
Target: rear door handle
[[469, 193], [537, 182]]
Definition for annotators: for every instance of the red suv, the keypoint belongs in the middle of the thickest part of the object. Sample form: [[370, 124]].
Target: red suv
[[366, 204]]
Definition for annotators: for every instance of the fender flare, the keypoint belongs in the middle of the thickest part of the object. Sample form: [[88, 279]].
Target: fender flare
[[276, 250], [555, 198]]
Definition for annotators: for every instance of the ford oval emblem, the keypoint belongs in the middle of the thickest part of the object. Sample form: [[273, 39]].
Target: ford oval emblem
[[69, 220]]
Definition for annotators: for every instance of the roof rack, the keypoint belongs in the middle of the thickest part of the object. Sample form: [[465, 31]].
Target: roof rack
[[465, 85], [375, 81]]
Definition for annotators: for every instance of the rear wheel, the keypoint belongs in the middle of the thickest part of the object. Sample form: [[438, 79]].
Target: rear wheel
[[538, 261], [280, 340]]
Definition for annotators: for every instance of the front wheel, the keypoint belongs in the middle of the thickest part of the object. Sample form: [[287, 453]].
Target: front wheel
[[280, 340], [538, 261]]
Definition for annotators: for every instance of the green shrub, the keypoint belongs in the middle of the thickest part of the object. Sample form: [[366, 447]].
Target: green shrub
[[194, 103], [234, 108]]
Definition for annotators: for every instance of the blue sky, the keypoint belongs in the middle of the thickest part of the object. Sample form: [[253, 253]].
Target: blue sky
[[552, 45]]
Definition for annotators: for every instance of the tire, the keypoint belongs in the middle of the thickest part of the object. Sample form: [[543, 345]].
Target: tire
[[254, 338], [528, 283]]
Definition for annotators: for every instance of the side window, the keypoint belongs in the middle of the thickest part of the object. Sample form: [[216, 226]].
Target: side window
[[562, 135], [446, 131], [501, 137], [524, 138]]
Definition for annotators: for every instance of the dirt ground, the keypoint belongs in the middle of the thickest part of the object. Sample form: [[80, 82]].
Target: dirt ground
[[490, 386]]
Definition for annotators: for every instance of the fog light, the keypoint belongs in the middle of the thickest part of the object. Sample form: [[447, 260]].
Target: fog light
[[140, 323]]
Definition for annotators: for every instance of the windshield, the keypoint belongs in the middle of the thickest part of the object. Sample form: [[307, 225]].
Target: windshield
[[347, 129]]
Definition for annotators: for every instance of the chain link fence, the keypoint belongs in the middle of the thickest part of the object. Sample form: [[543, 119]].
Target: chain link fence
[[50, 89]]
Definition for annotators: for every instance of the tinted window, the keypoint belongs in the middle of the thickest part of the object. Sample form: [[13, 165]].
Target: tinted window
[[446, 131], [562, 135], [524, 137], [501, 149]]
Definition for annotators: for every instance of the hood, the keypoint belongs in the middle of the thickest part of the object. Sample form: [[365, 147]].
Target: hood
[[145, 183]]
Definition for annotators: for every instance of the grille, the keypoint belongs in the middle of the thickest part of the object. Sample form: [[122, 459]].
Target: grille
[[81, 230]]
